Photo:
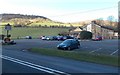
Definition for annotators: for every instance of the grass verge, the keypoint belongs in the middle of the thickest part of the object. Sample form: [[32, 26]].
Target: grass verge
[[100, 59]]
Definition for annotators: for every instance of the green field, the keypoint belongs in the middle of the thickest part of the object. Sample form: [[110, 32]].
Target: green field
[[34, 32], [53, 24], [43, 24]]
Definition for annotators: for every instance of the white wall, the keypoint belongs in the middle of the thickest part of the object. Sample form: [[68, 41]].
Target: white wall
[[116, 34], [89, 27]]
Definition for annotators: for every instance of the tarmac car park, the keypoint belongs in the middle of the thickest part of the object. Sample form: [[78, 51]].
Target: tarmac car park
[[105, 47]]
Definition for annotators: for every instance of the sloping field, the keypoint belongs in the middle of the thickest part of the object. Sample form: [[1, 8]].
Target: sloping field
[[34, 32]]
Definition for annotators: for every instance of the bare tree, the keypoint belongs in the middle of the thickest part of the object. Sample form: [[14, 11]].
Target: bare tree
[[110, 19], [100, 21]]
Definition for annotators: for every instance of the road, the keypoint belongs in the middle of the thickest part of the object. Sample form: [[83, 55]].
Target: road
[[25, 62], [11, 67]]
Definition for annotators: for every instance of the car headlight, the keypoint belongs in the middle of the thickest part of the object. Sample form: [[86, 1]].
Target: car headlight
[[57, 45]]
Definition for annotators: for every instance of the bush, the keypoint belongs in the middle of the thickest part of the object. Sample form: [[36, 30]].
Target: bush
[[63, 33], [2, 37], [85, 35]]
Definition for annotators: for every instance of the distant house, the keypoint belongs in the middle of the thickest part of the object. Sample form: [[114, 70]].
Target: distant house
[[98, 30], [76, 32], [116, 35]]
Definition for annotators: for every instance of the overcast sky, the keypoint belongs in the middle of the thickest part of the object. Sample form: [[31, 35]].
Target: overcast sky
[[62, 10]]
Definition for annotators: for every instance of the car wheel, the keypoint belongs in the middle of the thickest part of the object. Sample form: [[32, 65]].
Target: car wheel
[[78, 46], [69, 48], [64, 49]]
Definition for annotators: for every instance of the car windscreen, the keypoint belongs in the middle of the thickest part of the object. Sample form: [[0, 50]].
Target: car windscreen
[[66, 42]]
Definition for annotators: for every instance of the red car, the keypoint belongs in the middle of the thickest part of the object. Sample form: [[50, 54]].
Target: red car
[[99, 38]]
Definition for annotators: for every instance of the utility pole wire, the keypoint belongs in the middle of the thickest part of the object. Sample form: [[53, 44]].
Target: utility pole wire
[[84, 11]]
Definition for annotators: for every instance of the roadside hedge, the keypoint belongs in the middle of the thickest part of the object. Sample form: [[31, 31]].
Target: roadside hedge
[[85, 35]]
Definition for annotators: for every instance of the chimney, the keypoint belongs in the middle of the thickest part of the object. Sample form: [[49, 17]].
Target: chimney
[[93, 22]]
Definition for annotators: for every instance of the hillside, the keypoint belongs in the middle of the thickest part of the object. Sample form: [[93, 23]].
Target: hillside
[[18, 19], [34, 20], [11, 16], [31, 20]]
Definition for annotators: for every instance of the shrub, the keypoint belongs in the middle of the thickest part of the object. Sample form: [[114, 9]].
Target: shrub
[[85, 35], [63, 33]]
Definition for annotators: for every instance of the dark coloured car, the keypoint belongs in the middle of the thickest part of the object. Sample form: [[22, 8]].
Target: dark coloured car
[[51, 37], [60, 38], [67, 37], [69, 44], [54, 37]]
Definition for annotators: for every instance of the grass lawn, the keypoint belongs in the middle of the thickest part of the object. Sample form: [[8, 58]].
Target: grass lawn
[[34, 32], [81, 56]]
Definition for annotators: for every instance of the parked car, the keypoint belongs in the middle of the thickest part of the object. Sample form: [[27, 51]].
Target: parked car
[[99, 38], [28, 37], [69, 44], [67, 37], [49, 38], [54, 37], [60, 38], [44, 38], [40, 37]]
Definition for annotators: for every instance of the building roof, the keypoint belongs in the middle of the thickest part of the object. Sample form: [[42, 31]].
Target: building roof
[[78, 29]]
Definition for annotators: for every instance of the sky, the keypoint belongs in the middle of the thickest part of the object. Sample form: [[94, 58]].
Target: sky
[[62, 10]]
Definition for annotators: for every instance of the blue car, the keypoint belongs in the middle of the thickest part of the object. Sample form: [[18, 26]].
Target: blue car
[[69, 44]]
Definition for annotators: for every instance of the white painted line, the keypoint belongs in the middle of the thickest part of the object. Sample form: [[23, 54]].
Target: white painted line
[[95, 50], [114, 52], [27, 65], [38, 67]]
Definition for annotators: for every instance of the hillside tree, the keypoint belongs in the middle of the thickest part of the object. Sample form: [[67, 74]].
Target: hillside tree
[[110, 19], [100, 21]]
